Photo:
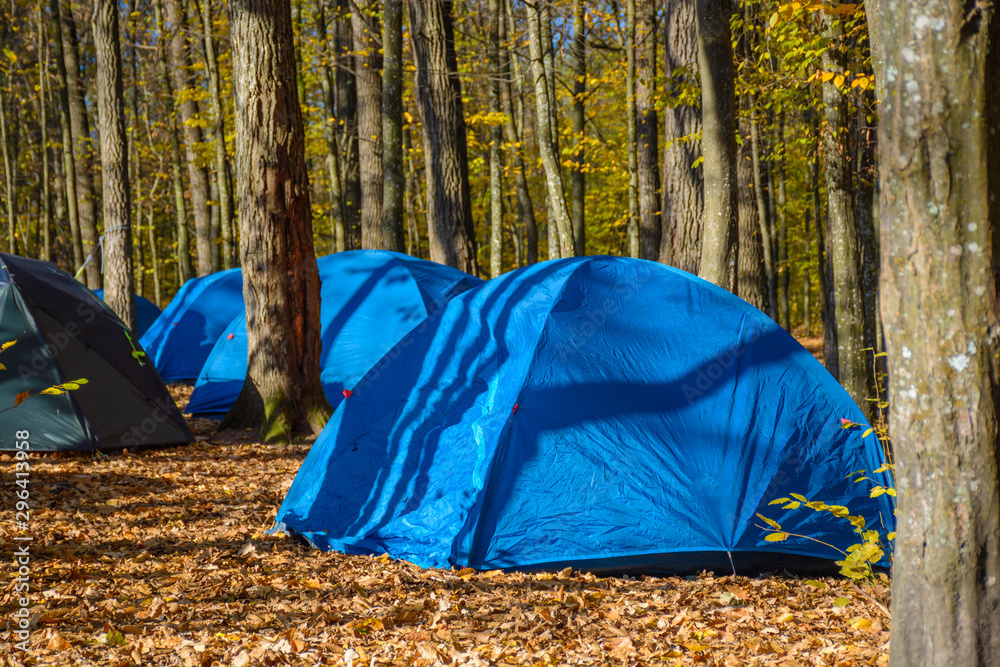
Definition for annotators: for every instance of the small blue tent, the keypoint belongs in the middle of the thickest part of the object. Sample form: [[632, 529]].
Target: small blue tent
[[146, 312], [370, 299], [179, 341], [602, 413]]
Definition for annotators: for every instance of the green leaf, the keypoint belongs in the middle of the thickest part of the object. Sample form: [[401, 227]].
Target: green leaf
[[841, 602], [815, 584]]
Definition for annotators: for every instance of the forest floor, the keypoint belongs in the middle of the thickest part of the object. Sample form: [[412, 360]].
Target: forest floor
[[160, 558]]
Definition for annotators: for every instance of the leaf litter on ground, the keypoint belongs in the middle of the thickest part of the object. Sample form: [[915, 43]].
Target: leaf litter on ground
[[159, 557]]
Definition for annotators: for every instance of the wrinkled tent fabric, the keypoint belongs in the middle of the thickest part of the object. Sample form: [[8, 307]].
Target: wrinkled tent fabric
[[603, 413], [61, 332], [369, 300], [146, 312], [181, 338]]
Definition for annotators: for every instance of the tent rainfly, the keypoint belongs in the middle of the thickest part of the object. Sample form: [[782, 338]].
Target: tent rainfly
[[608, 414], [55, 334]]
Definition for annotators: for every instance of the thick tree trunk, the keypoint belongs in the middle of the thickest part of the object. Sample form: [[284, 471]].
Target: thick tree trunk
[[368, 62], [225, 206], [647, 130], [544, 109], [184, 266], [446, 163], [119, 291], [682, 202], [392, 124], [578, 60], [282, 392], [82, 145], [842, 236], [186, 109], [720, 246], [940, 151], [512, 133], [495, 139], [68, 151]]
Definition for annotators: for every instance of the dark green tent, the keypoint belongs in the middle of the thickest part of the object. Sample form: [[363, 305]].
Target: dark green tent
[[61, 332]]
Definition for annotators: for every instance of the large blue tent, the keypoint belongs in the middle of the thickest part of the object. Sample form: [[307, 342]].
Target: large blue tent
[[369, 300], [146, 312], [602, 413], [179, 341]]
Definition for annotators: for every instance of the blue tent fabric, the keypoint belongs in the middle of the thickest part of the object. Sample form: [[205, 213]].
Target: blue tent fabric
[[180, 339], [369, 300], [603, 413], [146, 312]]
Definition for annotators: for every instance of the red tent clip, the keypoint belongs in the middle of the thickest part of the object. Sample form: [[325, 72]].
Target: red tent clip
[[514, 411], [230, 336], [347, 393]]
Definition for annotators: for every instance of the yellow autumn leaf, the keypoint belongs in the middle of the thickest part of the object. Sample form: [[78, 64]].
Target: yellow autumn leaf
[[785, 618], [776, 537], [860, 624]]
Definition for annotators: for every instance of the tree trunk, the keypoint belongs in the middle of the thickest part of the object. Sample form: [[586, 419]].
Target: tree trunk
[[634, 211], [225, 206], [68, 150], [10, 194], [45, 253], [368, 62], [682, 181], [544, 109], [119, 291], [512, 133], [186, 109], [282, 392], [647, 130], [184, 267], [720, 245], [940, 152], [338, 208], [439, 94], [82, 145], [842, 236], [496, 139], [578, 60], [764, 216], [347, 121], [785, 269], [392, 124], [751, 282], [865, 145]]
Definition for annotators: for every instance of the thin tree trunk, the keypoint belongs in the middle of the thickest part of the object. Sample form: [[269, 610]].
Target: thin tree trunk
[[545, 108], [184, 266], [682, 201], [634, 209], [647, 130], [282, 392], [187, 110], [824, 274], [720, 245], [496, 139], [347, 120], [225, 197], [512, 133], [45, 253], [368, 62], [68, 148], [446, 163], [751, 282], [578, 59], [10, 194], [785, 271], [82, 146], [763, 213], [865, 146], [940, 154], [338, 208], [412, 196], [392, 124], [842, 232], [119, 291]]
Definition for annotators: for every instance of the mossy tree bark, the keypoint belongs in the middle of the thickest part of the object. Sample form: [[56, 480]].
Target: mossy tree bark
[[282, 393]]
